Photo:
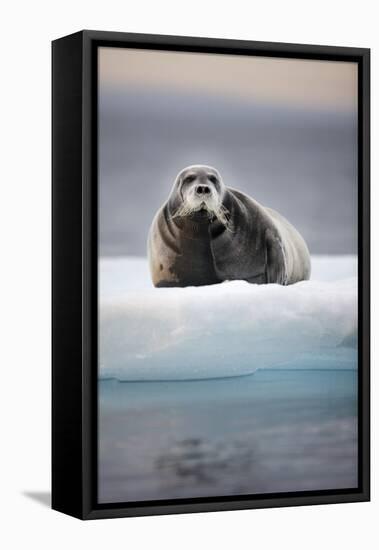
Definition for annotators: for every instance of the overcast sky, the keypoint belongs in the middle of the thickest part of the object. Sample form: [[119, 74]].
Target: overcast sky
[[282, 130], [306, 83]]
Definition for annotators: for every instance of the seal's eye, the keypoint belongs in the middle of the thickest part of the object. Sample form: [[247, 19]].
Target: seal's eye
[[212, 178], [189, 179]]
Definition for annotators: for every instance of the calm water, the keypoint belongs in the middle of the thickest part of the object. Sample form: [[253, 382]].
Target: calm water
[[272, 431]]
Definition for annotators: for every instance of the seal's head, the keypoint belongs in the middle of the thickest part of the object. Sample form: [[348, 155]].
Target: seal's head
[[198, 193]]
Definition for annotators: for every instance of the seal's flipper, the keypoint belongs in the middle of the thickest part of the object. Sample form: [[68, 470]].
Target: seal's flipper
[[276, 268]]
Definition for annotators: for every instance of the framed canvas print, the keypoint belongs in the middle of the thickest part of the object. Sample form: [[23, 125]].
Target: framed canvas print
[[210, 274]]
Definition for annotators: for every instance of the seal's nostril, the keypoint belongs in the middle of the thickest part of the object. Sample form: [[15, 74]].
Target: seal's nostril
[[203, 189]]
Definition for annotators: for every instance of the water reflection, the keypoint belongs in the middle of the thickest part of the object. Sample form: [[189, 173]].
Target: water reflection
[[271, 432], [199, 461]]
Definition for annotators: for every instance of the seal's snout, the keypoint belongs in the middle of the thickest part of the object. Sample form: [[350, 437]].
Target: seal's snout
[[198, 192], [202, 190]]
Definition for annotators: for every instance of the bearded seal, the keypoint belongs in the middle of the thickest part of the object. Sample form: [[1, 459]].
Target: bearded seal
[[207, 233]]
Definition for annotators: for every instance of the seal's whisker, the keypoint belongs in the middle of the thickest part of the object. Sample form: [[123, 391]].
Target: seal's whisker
[[183, 210], [223, 216], [220, 212]]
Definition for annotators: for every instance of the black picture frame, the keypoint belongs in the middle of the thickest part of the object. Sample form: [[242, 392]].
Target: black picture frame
[[74, 273]]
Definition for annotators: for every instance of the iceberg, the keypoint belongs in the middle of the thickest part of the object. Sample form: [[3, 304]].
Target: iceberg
[[224, 330]]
